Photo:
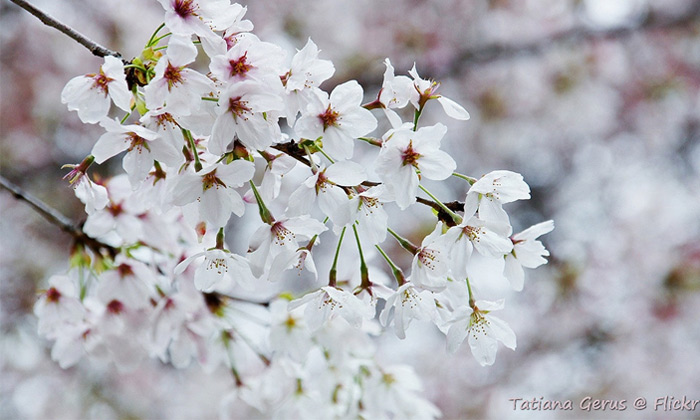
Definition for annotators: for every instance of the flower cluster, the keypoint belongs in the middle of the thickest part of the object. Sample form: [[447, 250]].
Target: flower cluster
[[215, 119]]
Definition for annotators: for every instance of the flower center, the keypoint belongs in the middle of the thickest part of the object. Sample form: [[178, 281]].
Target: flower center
[[368, 204], [218, 264], [478, 324], [410, 298], [184, 8], [410, 156], [329, 118], [473, 233], [115, 209], [428, 257], [331, 303], [125, 270], [238, 107], [115, 307], [165, 120], [210, 180], [321, 183], [282, 234], [241, 66], [101, 82], [53, 295], [173, 75], [137, 142], [290, 323]]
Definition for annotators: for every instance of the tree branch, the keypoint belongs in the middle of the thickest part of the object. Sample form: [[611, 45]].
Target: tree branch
[[94, 47], [56, 218], [48, 212]]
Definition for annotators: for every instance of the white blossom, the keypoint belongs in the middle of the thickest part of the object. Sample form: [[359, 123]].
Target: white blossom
[[482, 330], [92, 94]]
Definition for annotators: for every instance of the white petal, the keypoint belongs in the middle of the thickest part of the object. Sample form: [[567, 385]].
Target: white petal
[[484, 349], [456, 334], [502, 332], [181, 50], [453, 109], [222, 134], [534, 232], [108, 145], [514, 273], [437, 165], [346, 173]]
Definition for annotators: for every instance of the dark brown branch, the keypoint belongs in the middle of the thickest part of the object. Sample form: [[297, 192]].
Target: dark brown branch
[[48, 212], [292, 149], [56, 218], [441, 213], [94, 47]]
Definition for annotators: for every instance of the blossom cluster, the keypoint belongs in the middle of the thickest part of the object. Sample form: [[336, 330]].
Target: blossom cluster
[[214, 120]]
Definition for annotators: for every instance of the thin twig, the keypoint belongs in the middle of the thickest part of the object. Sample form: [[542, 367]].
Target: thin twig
[[48, 212], [56, 218], [94, 47]]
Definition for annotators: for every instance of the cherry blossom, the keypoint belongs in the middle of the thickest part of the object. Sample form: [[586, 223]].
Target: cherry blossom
[[427, 89], [405, 151], [59, 305], [175, 86], [212, 189], [249, 59], [305, 75], [200, 17], [483, 330], [527, 252], [129, 283], [431, 263], [329, 302], [408, 303], [243, 113], [142, 145], [325, 185], [220, 271], [338, 119], [494, 189], [366, 209], [271, 246], [92, 94]]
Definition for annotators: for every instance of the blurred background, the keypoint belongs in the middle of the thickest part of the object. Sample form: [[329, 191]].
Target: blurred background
[[595, 102]]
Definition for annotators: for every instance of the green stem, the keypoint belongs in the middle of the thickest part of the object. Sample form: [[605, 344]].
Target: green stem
[[373, 142], [364, 273], [265, 214], [452, 214], [150, 40], [471, 296], [157, 40], [398, 274], [125, 118], [469, 179], [332, 275], [416, 117], [327, 157], [190, 140], [405, 243], [83, 283], [220, 239], [209, 98]]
